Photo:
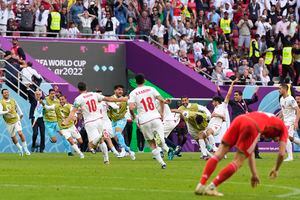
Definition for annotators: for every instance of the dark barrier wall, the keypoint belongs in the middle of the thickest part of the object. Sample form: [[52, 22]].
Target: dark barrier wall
[[100, 65]]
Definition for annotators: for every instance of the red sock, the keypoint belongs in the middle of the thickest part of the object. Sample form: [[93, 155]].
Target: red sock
[[210, 167], [226, 173]]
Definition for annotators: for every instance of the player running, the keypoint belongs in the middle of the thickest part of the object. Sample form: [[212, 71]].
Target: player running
[[69, 131], [143, 99], [50, 120], [244, 133], [290, 113], [12, 114], [88, 103], [119, 121]]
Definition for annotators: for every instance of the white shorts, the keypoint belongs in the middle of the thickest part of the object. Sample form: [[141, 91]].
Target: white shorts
[[13, 128], [150, 129], [193, 132], [107, 129], [214, 127], [169, 126], [291, 129], [94, 129], [70, 132]]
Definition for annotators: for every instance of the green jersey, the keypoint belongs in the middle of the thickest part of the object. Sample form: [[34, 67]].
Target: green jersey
[[62, 112], [190, 117], [49, 114], [11, 117], [117, 114]]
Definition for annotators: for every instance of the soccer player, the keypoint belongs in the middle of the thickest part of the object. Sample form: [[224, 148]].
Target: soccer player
[[244, 133], [69, 131], [217, 118], [194, 107], [119, 120], [149, 120], [88, 103], [196, 123], [290, 113], [12, 114], [50, 120]]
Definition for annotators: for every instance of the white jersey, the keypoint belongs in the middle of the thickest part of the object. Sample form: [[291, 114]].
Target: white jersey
[[144, 99], [288, 107], [220, 110], [103, 110], [168, 115], [88, 103]]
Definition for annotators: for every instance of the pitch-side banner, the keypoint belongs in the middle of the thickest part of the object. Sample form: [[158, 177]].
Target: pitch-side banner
[[100, 65]]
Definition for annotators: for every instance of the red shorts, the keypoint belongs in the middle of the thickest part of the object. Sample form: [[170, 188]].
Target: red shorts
[[243, 133]]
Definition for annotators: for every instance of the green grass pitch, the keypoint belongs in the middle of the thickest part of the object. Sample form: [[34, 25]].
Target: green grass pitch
[[56, 176]]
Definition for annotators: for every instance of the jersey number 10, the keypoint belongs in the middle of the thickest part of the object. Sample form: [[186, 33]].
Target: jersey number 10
[[148, 104], [92, 105]]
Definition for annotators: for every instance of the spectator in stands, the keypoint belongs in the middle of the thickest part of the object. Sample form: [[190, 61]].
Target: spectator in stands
[[41, 22], [262, 26], [244, 26], [75, 10], [254, 52], [93, 10], [244, 66], [296, 52], [27, 19], [12, 27], [217, 75], [287, 58], [173, 48], [110, 25], [198, 48], [64, 22], [226, 25], [3, 18], [97, 32], [213, 16], [144, 23], [265, 78], [157, 32], [121, 15], [54, 21], [86, 22], [17, 51], [233, 63], [292, 27], [282, 26], [258, 69], [130, 28], [37, 122], [206, 61], [254, 10], [73, 31], [133, 11], [183, 43]]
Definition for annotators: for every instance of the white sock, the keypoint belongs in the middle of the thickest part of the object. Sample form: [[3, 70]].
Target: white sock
[[113, 149], [104, 150], [76, 149], [24, 144], [212, 142], [297, 141], [19, 146], [289, 149], [165, 147], [157, 156], [202, 147], [122, 150]]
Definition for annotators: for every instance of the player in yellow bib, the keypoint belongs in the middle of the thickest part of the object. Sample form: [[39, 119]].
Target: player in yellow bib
[[69, 131], [12, 114], [50, 120]]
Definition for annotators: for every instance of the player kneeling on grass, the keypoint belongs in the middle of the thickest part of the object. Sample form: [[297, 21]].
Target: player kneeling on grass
[[244, 134], [69, 131], [196, 124], [10, 109]]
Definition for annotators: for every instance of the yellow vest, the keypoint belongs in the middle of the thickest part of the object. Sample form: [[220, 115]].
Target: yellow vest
[[55, 21], [287, 56], [225, 25], [186, 12], [194, 108], [256, 54], [191, 119], [11, 117], [269, 56]]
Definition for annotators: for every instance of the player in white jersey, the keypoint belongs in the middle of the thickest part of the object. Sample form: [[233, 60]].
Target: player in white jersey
[[143, 99], [217, 118], [170, 121], [88, 103], [290, 113]]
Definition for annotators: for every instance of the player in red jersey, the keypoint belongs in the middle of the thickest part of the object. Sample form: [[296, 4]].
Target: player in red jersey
[[243, 134]]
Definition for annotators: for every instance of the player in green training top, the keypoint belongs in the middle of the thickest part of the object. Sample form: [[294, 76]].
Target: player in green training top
[[119, 120], [196, 123], [12, 114], [69, 131], [50, 120]]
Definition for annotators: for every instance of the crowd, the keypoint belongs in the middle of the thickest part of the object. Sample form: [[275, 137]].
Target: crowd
[[255, 40]]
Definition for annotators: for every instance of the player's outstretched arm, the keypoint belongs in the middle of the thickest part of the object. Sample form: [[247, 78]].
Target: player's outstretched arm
[[274, 172], [113, 99], [228, 95], [252, 165]]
